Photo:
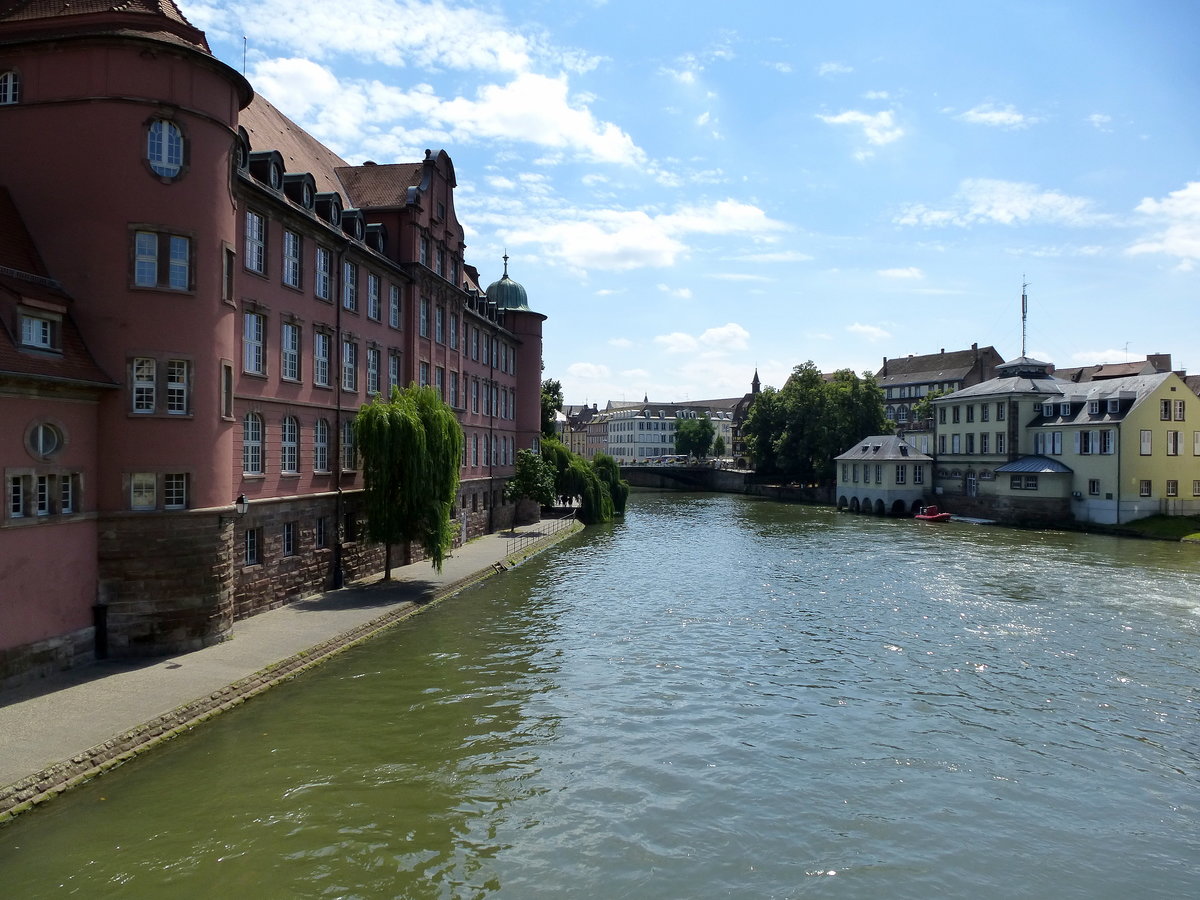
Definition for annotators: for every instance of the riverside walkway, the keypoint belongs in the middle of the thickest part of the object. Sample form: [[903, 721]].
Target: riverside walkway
[[67, 728]]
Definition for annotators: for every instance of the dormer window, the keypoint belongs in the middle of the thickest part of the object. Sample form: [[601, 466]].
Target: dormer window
[[164, 148], [10, 88], [1114, 405], [1094, 407], [300, 188], [40, 332], [1064, 409], [1047, 409]]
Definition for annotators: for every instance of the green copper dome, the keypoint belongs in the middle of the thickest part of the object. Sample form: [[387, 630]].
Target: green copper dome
[[506, 293]]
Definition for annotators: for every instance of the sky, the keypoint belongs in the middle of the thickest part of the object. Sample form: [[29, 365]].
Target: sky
[[692, 191]]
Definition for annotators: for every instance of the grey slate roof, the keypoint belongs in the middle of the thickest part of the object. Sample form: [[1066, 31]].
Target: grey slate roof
[[1035, 465], [884, 448]]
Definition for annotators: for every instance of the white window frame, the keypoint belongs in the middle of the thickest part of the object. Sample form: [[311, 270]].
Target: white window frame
[[143, 387], [164, 148], [151, 249], [349, 286], [374, 302], [178, 375], [321, 445], [323, 268], [253, 441], [254, 360], [289, 351], [289, 446], [10, 87], [322, 345], [373, 359], [349, 365], [175, 490], [293, 253], [143, 490], [256, 242], [394, 306]]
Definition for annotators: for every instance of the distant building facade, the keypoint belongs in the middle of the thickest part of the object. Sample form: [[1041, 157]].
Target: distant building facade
[[907, 379]]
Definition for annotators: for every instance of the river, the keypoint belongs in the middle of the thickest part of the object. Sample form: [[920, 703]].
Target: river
[[718, 697]]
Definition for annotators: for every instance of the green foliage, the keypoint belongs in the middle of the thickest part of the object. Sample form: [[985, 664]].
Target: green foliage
[[532, 478], [923, 408], [719, 446], [795, 433], [610, 473], [410, 448], [694, 437], [552, 402], [591, 484]]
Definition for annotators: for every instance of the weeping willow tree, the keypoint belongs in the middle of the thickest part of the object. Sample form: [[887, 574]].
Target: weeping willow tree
[[610, 473], [410, 448], [576, 478]]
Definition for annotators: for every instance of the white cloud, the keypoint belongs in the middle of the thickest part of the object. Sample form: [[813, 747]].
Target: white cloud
[[731, 336], [1100, 121], [872, 333], [833, 68], [710, 344], [619, 240], [1178, 217], [588, 370], [677, 342], [997, 117], [876, 95], [780, 256], [878, 128], [910, 272], [1006, 202], [682, 293], [740, 277], [621, 343]]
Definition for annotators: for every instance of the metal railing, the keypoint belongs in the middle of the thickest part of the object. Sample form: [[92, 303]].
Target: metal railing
[[522, 540]]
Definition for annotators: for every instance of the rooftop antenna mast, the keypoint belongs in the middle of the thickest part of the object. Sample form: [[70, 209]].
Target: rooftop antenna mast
[[1024, 312]]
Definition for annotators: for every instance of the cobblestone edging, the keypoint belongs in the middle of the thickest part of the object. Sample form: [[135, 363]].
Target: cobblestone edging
[[31, 792]]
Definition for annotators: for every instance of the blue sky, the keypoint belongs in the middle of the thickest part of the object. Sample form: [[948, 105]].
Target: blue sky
[[693, 190]]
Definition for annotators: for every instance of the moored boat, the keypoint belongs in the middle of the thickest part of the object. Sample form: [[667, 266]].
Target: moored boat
[[932, 514]]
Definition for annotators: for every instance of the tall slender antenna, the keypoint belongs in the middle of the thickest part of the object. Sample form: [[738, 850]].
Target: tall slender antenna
[[243, 54], [1024, 312]]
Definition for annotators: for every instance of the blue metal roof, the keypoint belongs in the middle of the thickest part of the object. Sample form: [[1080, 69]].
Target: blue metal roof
[[1035, 465]]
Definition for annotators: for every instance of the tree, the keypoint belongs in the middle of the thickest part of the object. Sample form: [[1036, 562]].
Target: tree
[[719, 446], [610, 474], [410, 448], [576, 478], [552, 402], [693, 437], [533, 478], [796, 432]]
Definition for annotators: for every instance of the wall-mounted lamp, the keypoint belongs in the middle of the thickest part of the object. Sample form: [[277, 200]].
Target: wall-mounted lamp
[[241, 504]]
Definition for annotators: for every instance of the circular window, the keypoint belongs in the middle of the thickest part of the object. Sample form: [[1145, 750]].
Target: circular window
[[45, 440]]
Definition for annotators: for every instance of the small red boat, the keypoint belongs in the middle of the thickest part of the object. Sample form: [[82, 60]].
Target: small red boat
[[932, 514]]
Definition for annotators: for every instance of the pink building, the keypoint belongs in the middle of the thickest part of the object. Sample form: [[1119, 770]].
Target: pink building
[[195, 298]]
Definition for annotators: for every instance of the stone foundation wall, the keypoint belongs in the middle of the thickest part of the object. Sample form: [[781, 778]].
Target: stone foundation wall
[[165, 581], [19, 665]]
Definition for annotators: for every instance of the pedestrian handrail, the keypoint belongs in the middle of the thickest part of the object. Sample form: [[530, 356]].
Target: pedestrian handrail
[[546, 528]]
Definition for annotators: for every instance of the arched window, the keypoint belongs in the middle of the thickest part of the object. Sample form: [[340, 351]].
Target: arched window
[[10, 88], [321, 446], [289, 445], [164, 148], [252, 444]]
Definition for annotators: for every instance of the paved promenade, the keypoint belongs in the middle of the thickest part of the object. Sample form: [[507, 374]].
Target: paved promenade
[[70, 727]]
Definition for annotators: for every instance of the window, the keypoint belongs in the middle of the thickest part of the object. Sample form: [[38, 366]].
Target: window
[[349, 365], [1144, 487], [252, 444], [175, 491], [349, 451], [291, 259], [227, 390], [984, 441], [321, 446], [374, 303], [1064, 409], [39, 332], [44, 440], [970, 442], [251, 547], [66, 493], [162, 261], [955, 414], [1172, 487], [289, 445], [1146, 442], [453, 331], [474, 395], [253, 356], [373, 370], [142, 490], [321, 343], [1196, 443], [177, 387], [1093, 407], [144, 383], [42, 495], [956, 443], [1086, 442], [901, 473], [475, 343], [999, 441], [1114, 405], [256, 243], [10, 88], [324, 265], [164, 148], [1196, 488], [439, 325], [941, 415], [289, 352], [289, 538], [1024, 483], [454, 390], [350, 286], [1106, 440], [984, 412], [16, 496], [1178, 407], [423, 251], [394, 308], [1000, 412], [1047, 409], [424, 374], [1164, 410], [393, 370], [941, 443], [1173, 443], [320, 535], [971, 413], [918, 474], [423, 328]]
